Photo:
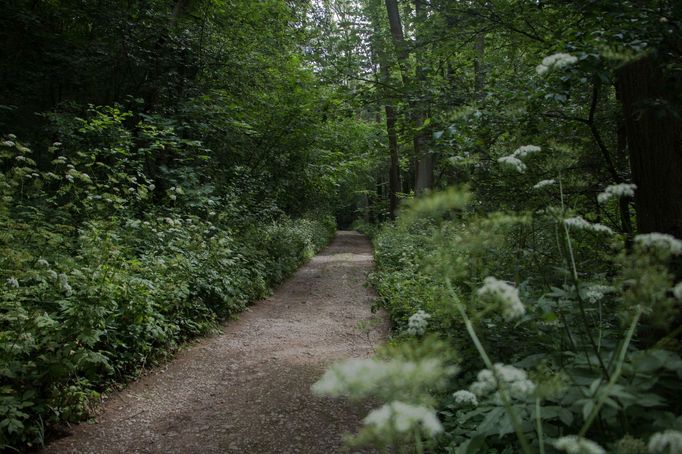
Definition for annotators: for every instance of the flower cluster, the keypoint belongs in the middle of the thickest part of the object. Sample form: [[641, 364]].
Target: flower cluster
[[514, 162], [13, 282], [668, 441], [660, 241], [677, 291], [573, 444], [577, 222], [515, 379], [594, 293], [418, 322], [526, 150], [64, 285], [556, 61], [617, 190], [544, 183], [514, 159], [361, 377], [402, 417], [464, 397], [505, 295]]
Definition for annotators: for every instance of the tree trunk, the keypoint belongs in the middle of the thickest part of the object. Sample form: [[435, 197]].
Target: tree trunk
[[654, 135], [394, 166], [379, 50], [479, 67], [424, 175]]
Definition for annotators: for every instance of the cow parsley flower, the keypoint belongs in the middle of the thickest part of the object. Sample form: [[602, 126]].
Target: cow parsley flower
[[464, 397], [44, 263], [577, 222], [677, 291], [596, 292], [360, 377], [514, 162], [555, 61], [661, 241], [573, 444], [617, 190], [515, 379], [64, 285], [8, 143], [13, 282], [544, 183], [402, 417], [505, 295], [526, 150], [669, 441], [416, 325]]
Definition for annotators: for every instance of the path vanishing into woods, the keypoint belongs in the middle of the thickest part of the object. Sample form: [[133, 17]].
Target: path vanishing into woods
[[247, 390]]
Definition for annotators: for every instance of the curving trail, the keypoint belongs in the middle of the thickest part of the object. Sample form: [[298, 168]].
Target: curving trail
[[247, 390]]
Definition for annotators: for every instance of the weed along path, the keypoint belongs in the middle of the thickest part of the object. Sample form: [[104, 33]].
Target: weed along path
[[247, 390]]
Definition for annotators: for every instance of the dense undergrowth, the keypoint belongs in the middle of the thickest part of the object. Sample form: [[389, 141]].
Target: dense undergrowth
[[92, 303], [574, 322]]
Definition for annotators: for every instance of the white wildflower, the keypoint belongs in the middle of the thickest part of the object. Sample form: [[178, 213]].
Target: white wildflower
[[577, 222], [594, 293], [416, 325], [677, 291], [359, 377], [44, 263], [151, 187], [20, 158], [514, 162], [8, 143], [556, 61], [573, 444], [526, 150], [504, 294], [402, 417], [544, 183], [173, 197], [64, 285], [661, 241], [13, 282], [12, 136], [70, 178], [669, 441], [617, 190], [515, 379], [57, 144], [52, 275], [464, 397]]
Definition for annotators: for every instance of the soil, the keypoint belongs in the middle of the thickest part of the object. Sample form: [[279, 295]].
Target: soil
[[247, 390]]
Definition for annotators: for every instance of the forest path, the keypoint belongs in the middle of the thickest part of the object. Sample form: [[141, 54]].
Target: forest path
[[247, 390]]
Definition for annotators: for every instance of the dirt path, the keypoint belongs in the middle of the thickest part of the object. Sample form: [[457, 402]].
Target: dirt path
[[247, 390]]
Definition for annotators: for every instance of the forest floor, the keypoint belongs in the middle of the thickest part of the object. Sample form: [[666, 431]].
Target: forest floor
[[247, 390]]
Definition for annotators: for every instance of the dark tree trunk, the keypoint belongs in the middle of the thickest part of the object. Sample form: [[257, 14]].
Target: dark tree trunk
[[394, 166], [425, 163], [479, 66], [653, 127]]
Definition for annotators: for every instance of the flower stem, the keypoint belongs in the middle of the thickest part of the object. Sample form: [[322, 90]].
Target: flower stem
[[525, 446]]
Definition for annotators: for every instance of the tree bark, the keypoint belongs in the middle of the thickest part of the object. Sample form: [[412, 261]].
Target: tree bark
[[479, 67], [653, 127], [394, 165]]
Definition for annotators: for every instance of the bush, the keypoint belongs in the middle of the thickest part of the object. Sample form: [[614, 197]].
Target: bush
[[553, 322], [95, 288]]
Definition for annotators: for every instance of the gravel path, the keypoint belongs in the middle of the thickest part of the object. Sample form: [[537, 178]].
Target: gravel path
[[247, 390]]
